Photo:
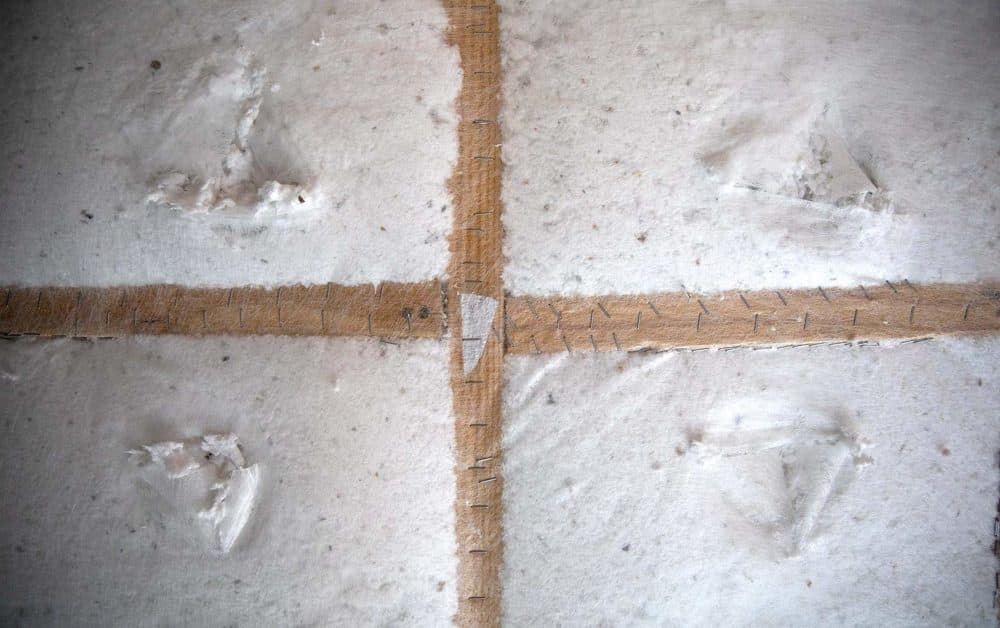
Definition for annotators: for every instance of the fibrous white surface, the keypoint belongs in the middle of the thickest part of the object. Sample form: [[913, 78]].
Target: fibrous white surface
[[788, 487], [219, 487], [345, 445], [748, 144], [225, 143]]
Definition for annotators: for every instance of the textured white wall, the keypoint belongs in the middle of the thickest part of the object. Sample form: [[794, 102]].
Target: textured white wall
[[634, 132], [826, 486], [355, 106], [354, 523]]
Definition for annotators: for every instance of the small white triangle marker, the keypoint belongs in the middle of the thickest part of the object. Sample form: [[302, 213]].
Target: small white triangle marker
[[477, 322]]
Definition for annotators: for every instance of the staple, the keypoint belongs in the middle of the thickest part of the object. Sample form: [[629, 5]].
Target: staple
[[386, 341], [378, 293], [556, 313], [566, 342], [477, 551], [915, 340], [865, 292], [603, 309], [638, 319], [592, 343], [484, 506], [473, 229], [484, 158], [107, 319], [755, 319], [535, 342], [472, 263], [488, 480], [509, 321], [38, 301], [889, 283], [121, 299], [370, 324], [474, 381], [697, 325], [910, 285], [703, 308], [478, 424], [805, 321], [135, 315], [912, 310], [854, 321], [781, 298], [483, 122], [744, 299], [591, 325], [280, 322], [477, 597], [614, 337], [474, 468], [204, 319], [486, 459], [823, 292], [965, 315], [652, 307], [241, 316]]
